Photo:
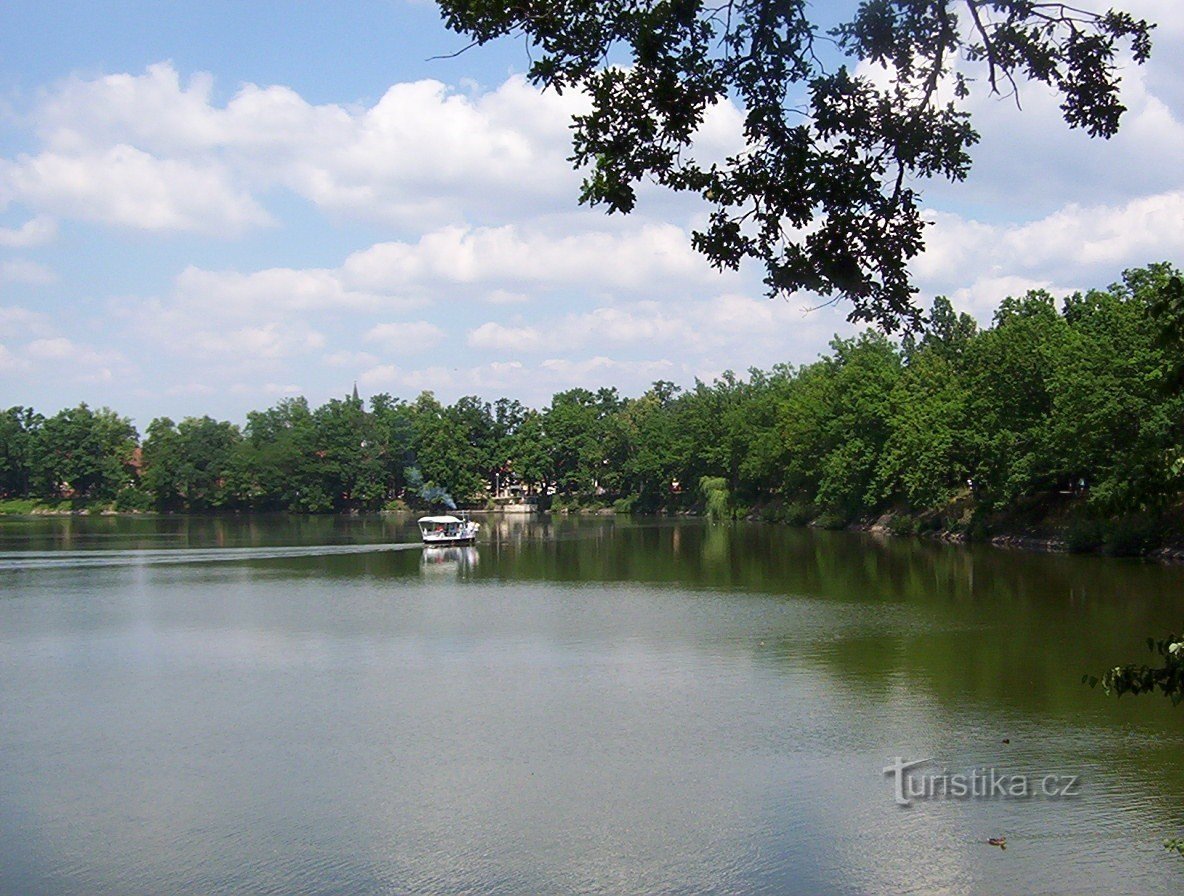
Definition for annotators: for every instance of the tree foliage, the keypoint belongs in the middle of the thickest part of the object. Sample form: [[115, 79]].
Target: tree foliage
[[1167, 678], [825, 191]]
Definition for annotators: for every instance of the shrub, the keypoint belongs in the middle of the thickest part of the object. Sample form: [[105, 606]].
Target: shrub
[[1131, 536], [714, 490], [831, 520], [626, 504], [1083, 536], [133, 500]]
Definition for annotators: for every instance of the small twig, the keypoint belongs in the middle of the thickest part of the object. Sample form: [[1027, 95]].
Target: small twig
[[464, 49]]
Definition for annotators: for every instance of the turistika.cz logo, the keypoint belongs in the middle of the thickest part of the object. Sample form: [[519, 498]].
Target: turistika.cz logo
[[980, 783]]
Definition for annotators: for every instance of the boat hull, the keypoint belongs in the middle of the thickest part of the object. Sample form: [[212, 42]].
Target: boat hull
[[439, 540]]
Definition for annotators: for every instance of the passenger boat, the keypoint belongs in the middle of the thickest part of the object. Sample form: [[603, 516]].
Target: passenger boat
[[441, 530]]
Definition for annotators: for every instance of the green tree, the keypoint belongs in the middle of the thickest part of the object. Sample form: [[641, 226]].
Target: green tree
[[856, 422], [350, 454], [449, 445], [394, 432], [276, 465], [186, 465], [824, 193], [18, 440], [84, 452], [924, 458], [1009, 377], [574, 424], [530, 452], [1115, 407]]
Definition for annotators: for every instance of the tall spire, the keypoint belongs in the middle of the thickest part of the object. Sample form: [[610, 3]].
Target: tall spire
[[355, 395]]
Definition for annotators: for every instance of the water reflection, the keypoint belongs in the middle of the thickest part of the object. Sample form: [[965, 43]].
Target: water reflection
[[455, 560]]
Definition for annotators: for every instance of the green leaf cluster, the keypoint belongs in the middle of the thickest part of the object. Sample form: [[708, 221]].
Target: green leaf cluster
[[841, 125]]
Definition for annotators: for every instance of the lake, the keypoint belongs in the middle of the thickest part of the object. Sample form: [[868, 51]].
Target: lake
[[602, 705]]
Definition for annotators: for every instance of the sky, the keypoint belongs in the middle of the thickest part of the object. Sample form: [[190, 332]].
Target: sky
[[208, 207]]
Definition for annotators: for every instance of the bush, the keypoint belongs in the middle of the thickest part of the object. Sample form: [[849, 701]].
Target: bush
[[904, 525], [626, 504], [714, 490], [1084, 536], [1132, 536], [799, 514], [831, 520], [132, 500]]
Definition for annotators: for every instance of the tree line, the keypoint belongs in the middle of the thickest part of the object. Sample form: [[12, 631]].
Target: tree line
[[1083, 398]]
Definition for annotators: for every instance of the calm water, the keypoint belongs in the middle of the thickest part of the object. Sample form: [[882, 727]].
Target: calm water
[[575, 706]]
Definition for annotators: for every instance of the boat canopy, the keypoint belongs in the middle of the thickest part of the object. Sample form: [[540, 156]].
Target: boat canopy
[[439, 520]]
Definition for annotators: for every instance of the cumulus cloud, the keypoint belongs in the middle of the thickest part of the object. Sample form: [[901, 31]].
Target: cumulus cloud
[[126, 186], [498, 337], [10, 363], [510, 257], [14, 318], [1075, 247], [58, 357], [34, 232], [268, 292], [348, 359], [406, 338], [213, 312], [156, 152], [727, 320], [269, 341], [21, 271]]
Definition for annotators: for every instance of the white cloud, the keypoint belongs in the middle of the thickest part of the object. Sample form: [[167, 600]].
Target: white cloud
[[692, 325], [14, 318], [355, 360], [276, 390], [423, 154], [592, 372], [268, 292], [34, 232], [125, 186], [408, 338], [267, 342], [10, 362], [1075, 247], [635, 256], [58, 357], [498, 337], [21, 271]]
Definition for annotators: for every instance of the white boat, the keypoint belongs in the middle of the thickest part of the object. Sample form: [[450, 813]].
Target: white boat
[[437, 530]]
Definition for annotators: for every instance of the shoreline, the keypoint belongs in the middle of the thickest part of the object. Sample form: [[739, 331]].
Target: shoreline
[[1170, 552]]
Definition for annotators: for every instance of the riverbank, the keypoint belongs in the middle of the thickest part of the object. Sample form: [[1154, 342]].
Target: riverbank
[[1051, 526], [60, 507]]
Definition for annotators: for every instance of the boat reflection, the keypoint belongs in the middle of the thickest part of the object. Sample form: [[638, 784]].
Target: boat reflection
[[452, 559]]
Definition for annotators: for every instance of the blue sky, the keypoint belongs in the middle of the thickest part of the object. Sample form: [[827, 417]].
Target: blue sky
[[207, 207]]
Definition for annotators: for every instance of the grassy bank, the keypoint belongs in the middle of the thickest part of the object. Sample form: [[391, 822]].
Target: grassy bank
[[54, 506]]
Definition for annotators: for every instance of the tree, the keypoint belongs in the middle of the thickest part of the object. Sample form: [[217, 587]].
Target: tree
[[449, 452], [275, 466], [348, 447], [186, 465], [1009, 376], [84, 452], [18, 434], [824, 193]]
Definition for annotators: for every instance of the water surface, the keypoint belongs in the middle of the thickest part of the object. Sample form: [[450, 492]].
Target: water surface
[[317, 705]]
